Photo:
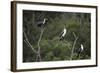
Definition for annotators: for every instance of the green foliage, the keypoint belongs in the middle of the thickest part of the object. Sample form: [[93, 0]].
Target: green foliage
[[55, 49], [51, 48]]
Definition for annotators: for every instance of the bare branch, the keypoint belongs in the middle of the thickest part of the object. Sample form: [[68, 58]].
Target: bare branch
[[42, 30], [41, 34], [72, 51], [74, 35], [28, 43]]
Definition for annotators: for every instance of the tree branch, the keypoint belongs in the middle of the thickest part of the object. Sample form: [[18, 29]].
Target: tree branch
[[41, 34], [28, 43], [72, 51]]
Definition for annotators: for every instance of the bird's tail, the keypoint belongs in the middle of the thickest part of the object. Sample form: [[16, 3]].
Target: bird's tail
[[61, 38]]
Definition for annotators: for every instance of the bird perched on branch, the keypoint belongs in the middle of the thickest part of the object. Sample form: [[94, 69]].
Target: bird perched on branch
[[42, 23], [80, 50], [63, 33]]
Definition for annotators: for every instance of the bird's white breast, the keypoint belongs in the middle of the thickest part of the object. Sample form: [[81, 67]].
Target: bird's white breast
[[44, 21], [64, 32], [81, 46]]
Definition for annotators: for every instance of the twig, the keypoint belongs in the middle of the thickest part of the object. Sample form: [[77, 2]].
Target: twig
[[28, 43], [72, 51], [41, 34], [74, 35]]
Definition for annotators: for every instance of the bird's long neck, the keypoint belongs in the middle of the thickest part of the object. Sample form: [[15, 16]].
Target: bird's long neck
[[81, 46], [44, 21], [64, 29]]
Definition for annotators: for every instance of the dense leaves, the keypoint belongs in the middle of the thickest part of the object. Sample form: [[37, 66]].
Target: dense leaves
[[51, 48]]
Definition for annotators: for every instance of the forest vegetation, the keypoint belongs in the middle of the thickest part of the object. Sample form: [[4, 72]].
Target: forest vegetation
[[43, 44]]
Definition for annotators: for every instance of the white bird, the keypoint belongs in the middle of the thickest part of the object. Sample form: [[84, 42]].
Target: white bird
[[80, 50], [42, 23], [82, 47], [63, 33]]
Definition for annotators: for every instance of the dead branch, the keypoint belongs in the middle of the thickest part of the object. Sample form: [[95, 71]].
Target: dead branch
[[72, 51], [39, 48], [28, 43]]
